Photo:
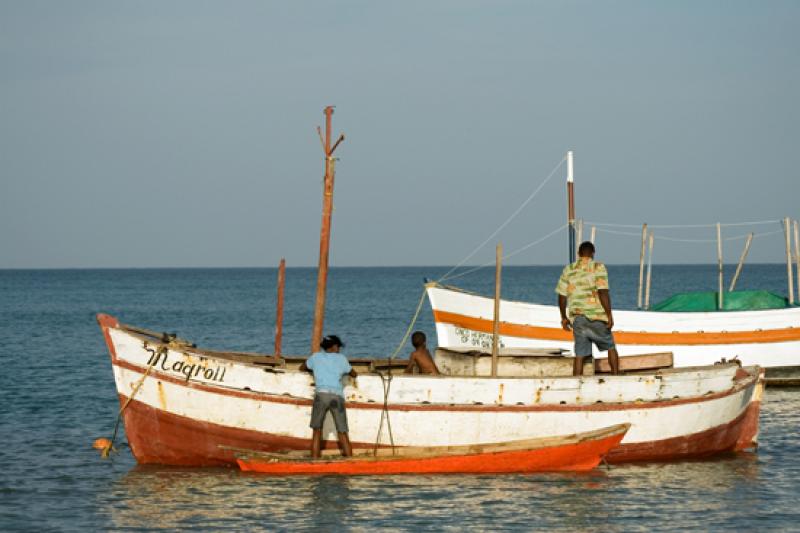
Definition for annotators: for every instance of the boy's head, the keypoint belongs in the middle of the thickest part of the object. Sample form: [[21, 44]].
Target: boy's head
[[331, 343], [418, 339]]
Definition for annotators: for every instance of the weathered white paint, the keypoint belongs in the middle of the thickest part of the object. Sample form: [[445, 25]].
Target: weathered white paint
[[443, 423], [765, 354]]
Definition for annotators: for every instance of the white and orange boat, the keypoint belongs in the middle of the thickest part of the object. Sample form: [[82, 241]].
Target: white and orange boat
[[182, 405], [769, 338], [571, 453], [188, 406]]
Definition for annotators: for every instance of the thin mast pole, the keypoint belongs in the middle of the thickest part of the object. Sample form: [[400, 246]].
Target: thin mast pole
[[279, 310], [721, 296], [741, 261], [594, 231], [641, 266], [797, 255], [325, 232], [571, 206], [579, 231], [789, 259], [496, 322], [649, 272]]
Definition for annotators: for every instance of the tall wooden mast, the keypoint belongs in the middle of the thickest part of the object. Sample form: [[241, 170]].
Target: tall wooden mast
[[325, 230]]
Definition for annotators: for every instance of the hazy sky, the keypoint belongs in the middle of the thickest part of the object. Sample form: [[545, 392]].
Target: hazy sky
[[182, 133]]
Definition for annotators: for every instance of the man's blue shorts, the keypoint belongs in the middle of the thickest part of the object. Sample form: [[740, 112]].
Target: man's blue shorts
[[587, 332]]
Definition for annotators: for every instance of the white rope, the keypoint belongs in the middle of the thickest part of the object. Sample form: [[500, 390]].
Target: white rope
[[507, 222], [678, 226], [677, 239], [509, 255]]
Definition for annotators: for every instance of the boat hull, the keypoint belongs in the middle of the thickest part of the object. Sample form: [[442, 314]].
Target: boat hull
[[187, 408], [767, 338], [576, 455]]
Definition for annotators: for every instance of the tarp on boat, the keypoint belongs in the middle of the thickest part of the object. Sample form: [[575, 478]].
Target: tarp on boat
[[733, 301]]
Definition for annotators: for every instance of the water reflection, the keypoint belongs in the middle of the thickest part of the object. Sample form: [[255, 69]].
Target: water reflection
[[740, 491]]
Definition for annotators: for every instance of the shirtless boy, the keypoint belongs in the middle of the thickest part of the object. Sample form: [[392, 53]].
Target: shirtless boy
[[420, 357]]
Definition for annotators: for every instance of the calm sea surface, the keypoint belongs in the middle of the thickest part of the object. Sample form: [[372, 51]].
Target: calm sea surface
[[57, 395]]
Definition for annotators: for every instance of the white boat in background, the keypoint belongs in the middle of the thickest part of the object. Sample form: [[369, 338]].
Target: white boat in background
[[186, 406], [769, 338]]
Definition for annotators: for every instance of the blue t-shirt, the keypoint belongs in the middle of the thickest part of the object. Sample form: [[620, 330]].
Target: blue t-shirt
[[328, 368]]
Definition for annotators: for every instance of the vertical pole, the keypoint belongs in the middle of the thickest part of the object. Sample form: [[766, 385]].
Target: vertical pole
[[279, 310], [571, 206], [496, 324], [720, 294], [789, 260], [594, 232], [579, 238], [741, 262], [649, 271], [641, 266], [797, 255], [324, 237]]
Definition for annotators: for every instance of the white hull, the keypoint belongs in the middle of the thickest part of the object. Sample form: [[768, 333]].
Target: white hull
[[188, 395], [767, 338]]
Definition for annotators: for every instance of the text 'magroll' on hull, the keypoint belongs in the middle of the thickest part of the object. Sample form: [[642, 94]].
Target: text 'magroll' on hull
[[190, 406], [769, 338]]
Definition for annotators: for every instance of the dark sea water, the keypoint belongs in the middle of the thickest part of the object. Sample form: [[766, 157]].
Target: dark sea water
[[57, 395]]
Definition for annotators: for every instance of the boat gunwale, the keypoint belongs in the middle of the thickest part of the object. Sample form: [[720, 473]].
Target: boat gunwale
[[405, 453]]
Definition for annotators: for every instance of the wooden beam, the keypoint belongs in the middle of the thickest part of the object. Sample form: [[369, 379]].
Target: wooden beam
[[496, 324]]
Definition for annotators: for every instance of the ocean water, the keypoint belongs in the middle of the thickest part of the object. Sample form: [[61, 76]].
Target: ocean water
[[57, 395]]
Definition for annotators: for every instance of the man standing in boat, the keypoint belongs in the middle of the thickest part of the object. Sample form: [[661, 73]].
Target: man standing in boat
[[328, 367], [585, 306]]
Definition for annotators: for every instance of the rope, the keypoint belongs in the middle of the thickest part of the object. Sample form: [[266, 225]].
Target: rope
[[155, 356], [677, 226], [386, 381], [508, 220], [507, 256], [678, 239]]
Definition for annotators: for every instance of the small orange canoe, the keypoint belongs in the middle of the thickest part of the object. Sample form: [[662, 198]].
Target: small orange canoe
[[572, 453]]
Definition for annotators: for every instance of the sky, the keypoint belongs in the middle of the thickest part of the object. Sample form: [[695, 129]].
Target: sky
[[183, 133]]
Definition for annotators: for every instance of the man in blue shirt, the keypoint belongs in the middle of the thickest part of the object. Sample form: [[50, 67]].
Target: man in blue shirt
[[328, 368]]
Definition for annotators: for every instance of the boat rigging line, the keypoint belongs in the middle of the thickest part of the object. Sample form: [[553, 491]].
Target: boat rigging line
[[680, 226], [386, 380], [507, 256], [508, 220], [678, 239]]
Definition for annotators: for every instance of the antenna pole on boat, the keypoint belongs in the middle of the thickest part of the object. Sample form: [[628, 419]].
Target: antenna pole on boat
[[788, 230], [720, 272], [279, 310], [325, 230], [741, 261], [641, 266], [571, 206], [797, 255]]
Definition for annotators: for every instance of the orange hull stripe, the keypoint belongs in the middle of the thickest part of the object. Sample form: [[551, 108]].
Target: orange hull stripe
[[622, 337]]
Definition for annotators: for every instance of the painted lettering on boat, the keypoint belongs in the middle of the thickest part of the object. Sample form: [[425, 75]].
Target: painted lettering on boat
[[161, 360], [476, 338]]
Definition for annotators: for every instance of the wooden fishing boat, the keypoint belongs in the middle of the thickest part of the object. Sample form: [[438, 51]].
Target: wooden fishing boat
[[183, 405], [768, 338], [570, 453]]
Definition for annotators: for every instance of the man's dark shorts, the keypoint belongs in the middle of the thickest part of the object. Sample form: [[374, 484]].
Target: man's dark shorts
[[324, 402], [587, 332]]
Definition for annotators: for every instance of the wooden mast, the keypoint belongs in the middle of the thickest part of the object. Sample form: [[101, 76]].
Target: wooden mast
[[571, 207], [279, 307], [496, 321], [325, 229]]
